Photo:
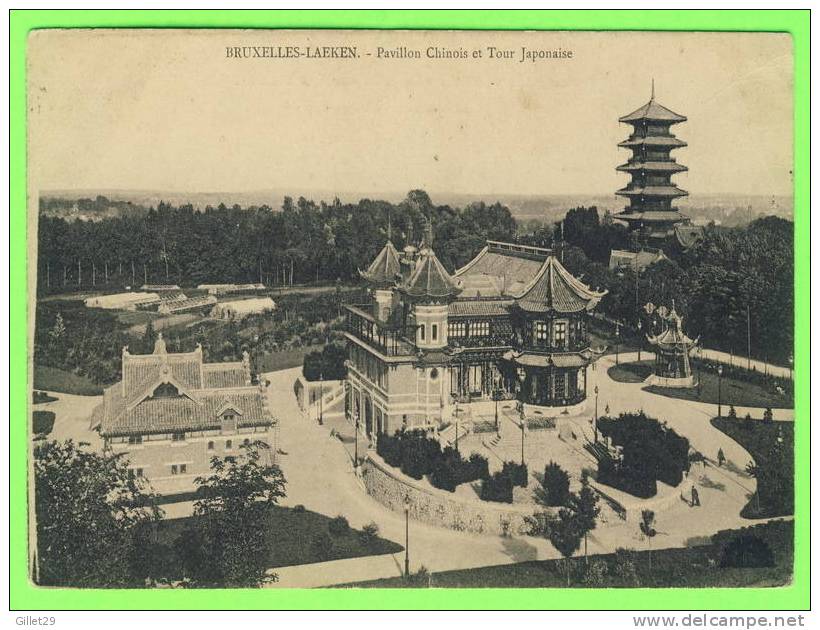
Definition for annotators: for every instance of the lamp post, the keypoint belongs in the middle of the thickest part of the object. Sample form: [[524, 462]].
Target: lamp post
[[321, 396], [496, 396], [595, 425], [700, 360], [720, 378], [640, 340], [617, 340], [457, 451], [791, 364], [407, 536], [522, 375], [356, 439]]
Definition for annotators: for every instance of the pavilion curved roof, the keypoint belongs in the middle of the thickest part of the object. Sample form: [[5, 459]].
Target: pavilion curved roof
[[430, 279], [673, 339], [556, 289], [385, 267]]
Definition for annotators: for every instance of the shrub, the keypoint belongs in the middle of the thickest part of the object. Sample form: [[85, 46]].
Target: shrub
[[732, 412], [556, 485], [767, 415], [338, 526], [369, 534], [43, 422], [479, 467], [517, 473], [420, 579], [417, 454], [746, 551], [650, 452], [497, 488], [624, 567], [299, 508]]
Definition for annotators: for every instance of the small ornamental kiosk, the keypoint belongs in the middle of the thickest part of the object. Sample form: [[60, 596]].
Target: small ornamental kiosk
[[672, 348]]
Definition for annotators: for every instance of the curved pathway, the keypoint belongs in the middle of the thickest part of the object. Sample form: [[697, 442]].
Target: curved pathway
[[319, 476]]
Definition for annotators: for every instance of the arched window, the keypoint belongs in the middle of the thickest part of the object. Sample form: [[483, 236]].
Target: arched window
[[210, 446], [228, 444]]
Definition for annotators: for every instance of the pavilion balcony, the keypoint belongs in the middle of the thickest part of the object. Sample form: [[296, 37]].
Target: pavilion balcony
[[387, 338]]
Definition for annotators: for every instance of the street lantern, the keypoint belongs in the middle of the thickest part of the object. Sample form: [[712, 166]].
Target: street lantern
[[407, 536], [617, 339], [720, 378], [791, 364]]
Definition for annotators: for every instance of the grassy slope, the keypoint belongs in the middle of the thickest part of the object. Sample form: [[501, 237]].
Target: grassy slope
[[733, 391], [52, 379], [687, 567], [292, 535], [760, 438]]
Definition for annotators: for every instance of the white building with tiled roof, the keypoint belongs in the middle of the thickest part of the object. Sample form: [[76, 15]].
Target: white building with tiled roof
[[172, 412]]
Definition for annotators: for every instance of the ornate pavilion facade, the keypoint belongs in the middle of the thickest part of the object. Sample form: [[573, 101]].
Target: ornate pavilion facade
[[672, 349], [512, 323]]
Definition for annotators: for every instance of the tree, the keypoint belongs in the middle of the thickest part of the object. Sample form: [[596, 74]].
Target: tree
[[90, 511], [585, 505], [149, 338], [228, 544], [554, 489], [647, 526], [565, 535], [756, 473]]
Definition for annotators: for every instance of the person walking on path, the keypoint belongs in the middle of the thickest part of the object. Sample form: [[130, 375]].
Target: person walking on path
[[695, 497], [721, 458]]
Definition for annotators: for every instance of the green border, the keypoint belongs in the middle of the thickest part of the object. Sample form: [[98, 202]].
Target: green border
[[25, 596]]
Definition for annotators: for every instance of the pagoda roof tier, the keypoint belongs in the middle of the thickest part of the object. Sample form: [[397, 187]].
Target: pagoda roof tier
[[649, 216], [653, 111], [661, 167], [653, 141], [556, 289], [384, 268], [554, 359], [430, 279], [652, 191]]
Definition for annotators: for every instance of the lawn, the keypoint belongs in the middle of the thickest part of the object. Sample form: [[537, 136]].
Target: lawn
[[300, 536], [635, 372], [42, 422], [56, 380], [771, 445], [39, 397], [689, 567], [734, 391]]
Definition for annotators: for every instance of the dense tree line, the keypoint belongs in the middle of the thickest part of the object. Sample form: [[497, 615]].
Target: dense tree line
[[734, 284], [303, 242]]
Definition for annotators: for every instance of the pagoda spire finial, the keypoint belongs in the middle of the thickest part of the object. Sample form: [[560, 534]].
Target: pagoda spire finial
[[652, 97], [389, 225]]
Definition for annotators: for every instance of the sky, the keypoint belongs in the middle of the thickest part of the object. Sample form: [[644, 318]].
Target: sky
[[170, 111]]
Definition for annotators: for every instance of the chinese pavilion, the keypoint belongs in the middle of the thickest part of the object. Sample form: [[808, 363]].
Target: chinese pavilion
[[672, 348], [651, 167], [512, 322]]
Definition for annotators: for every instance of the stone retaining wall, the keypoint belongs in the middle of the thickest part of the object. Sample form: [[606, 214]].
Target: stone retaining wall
[[389, 486]]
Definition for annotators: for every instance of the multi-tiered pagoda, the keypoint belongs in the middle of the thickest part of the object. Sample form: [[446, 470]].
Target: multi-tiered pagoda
[[651, 190]]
